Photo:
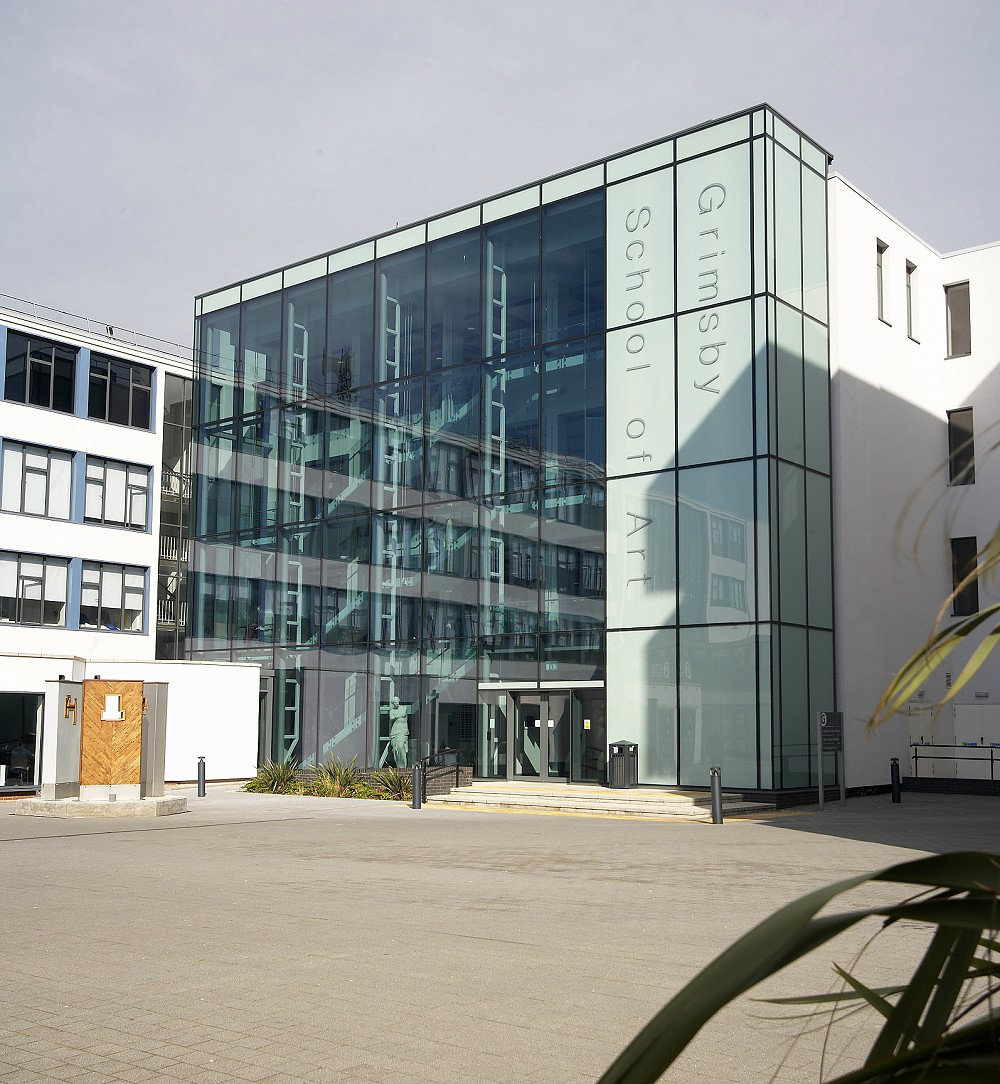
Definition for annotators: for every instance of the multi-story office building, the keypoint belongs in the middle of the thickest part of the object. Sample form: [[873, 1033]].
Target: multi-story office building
[[541, 473], [94, 488]]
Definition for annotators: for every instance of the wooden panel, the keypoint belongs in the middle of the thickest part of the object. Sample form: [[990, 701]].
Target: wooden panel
[[111, 750]]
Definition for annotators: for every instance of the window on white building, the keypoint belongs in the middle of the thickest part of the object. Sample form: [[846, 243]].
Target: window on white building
[[39, 373], [36, 480], [120, 391], [117, 493], [963, 561], [112, 597], [961, 448], [911, 300], [33, 589], [959, 316], [881, 258]]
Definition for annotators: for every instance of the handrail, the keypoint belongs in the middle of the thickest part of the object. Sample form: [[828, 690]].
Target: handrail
[[425, 764], [992, 748]]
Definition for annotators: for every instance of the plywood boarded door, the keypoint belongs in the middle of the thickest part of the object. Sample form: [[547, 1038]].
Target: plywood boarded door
[[111, 742]]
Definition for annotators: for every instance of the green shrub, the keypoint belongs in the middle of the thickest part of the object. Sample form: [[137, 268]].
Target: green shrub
[[335, 779], [398, 786], [276, 777]]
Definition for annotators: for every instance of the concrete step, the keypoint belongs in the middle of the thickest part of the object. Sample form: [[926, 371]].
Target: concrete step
[[632, 803]]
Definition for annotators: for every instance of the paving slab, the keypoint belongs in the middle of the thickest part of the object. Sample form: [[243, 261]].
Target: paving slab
[[261, 937]]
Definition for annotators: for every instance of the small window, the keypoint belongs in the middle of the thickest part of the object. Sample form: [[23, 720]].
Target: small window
[[120, 391], [33, 589], [112, 597], [959, 319], [116, 493], [36, 480], [911, 300], [961, 448], [39, 373], [963, 561], [881, 248]]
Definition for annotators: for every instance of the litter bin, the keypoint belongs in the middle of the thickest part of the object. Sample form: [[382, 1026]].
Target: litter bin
[[623, 765]]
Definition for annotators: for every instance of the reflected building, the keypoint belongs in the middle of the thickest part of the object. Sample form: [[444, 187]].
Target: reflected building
[[536, 475]]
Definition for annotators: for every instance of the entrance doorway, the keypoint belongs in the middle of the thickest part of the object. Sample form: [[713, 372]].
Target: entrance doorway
[[542, 735]]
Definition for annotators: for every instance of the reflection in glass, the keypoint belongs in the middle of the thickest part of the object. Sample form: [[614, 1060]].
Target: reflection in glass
[[304, 340], [641, 685], [573, 411], [491, 744], [453, 300], [343, 702], [399, 282], [718, 704], [396, 704], [217, 365], [510, 284], [510, 570], [260, 347], [349, 439], [399, 443], [452, 460], [573, 557], [450, 717], [573, 267], [349, 331], [510, 424]]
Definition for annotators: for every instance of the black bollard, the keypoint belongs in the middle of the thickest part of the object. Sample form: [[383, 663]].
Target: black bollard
[[897, 796], [415, 786], [201, 777], [715, 774]]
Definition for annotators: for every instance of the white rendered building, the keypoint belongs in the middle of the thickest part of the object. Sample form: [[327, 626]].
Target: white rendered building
[[914, 347], [94, 432]]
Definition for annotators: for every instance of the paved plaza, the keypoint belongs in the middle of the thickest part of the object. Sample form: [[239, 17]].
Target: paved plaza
[[302, 939]]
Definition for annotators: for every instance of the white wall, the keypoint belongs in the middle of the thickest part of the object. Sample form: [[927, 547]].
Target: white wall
[[890, 397], [212, 711]]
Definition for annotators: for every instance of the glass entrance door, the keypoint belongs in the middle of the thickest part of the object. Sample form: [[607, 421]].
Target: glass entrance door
[[541, 739]]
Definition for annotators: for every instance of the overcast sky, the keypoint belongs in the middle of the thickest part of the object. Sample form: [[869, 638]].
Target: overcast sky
[[152, 151]]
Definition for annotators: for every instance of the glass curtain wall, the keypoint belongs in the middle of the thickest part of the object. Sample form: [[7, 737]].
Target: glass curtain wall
[[588, 439]]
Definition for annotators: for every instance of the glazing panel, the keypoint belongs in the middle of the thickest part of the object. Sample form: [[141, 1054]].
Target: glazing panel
[[640, 232], [760, 376], [511, 288], [814, 245], [715, 384], [450, 625], [590, 736], [791, 543], [396, 545], [788, 385], [348, 457], [718, 704], [304, 341], [350, 323], [821, 697], [717, 135], [814, 157], [573, 263], [453, 426], [641, 686], [716, 538], [395, 611], [300, 464], [628, 165], [573, 563], [510, 413], [296, 692], [399, 284], [642, 587], [214, 484], [529, 736], [759, 236], [795, 728], [260, 350], [453, 266], [396, 706], [819, 555], [713, 228], [509, 658], [640, 397], [817, 377], [491, 736], [763, 539], [787, 228], [764, 679], [572, 656], [345, 606], [451, 551], [399, 443], [217, 365], [450, 716], [510, 566], [786, 135], [258, 470], [343, 703], [573, 411]]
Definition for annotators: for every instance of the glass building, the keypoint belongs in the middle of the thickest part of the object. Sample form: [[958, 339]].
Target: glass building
[[539, 474]]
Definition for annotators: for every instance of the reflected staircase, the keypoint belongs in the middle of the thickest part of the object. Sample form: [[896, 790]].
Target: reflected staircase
[[505, 795]]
